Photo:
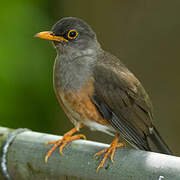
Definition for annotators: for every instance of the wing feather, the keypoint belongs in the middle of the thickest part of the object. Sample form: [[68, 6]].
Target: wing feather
[[121, 99]]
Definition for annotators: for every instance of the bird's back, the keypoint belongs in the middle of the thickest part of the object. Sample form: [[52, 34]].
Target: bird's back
[[122, 99]]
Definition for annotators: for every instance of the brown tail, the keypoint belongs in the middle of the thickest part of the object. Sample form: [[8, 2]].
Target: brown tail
[[157, 144]]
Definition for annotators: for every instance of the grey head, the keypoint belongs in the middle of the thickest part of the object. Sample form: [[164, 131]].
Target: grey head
[[71, 33], [77, 51]]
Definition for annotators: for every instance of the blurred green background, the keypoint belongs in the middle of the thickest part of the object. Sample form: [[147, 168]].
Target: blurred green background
[[144, 34]]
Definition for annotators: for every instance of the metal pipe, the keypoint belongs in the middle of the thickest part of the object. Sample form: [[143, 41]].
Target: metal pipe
[[25, 161]]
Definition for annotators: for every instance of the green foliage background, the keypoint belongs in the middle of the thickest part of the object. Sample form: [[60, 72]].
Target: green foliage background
[[144, 34]]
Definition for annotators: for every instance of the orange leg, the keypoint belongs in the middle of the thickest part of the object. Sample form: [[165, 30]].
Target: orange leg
[[67, 138], [109, 151]]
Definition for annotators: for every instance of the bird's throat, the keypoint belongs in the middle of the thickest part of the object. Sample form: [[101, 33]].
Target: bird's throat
[[71, 73]]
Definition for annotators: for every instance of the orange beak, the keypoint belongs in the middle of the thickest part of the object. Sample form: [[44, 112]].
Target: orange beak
[[49, 36]]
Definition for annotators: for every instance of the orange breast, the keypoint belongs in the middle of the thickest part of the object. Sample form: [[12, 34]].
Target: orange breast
[[79, 106]]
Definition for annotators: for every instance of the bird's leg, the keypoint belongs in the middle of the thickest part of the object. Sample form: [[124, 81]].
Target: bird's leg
[[109, 151], [67, 138]]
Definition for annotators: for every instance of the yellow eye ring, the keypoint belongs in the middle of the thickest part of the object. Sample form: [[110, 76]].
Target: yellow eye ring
[[72, 34]]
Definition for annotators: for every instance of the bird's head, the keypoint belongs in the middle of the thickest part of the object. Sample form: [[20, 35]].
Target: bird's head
[[71, 32]]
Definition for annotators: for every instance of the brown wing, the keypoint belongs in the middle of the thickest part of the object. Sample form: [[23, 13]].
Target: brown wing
[[122, 100]]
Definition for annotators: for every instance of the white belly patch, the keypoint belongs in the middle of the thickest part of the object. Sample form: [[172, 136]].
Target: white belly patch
[[99, 127]]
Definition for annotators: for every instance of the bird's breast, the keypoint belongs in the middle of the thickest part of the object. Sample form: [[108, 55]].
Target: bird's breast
[[78, 104], [72, 73]]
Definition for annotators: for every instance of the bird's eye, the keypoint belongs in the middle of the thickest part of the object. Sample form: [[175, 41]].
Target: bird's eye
[[72, 34]]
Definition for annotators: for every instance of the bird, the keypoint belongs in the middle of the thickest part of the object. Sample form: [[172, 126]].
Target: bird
[[95, 89]]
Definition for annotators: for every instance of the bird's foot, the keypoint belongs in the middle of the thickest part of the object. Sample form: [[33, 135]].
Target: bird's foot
[[67, 138], [109, 152]]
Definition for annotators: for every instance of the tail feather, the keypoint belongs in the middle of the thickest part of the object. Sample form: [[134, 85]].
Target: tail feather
[[156, 143]]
